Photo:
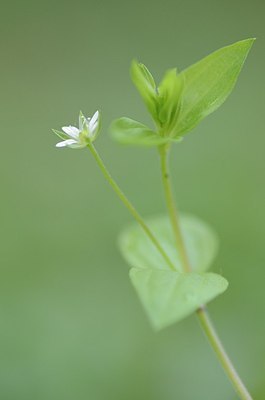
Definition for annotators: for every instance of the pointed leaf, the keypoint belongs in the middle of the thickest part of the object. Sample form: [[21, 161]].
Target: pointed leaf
[[130, 132], [201, 244], [170, 90], [169, 296], [209, 82], [144, 82]]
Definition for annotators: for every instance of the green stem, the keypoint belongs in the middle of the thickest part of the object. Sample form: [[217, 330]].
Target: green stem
[[218, 347], [172, 209], [202, 313], [129, 205]]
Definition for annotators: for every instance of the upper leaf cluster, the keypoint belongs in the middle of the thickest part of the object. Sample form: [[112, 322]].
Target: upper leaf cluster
[[182, 100]]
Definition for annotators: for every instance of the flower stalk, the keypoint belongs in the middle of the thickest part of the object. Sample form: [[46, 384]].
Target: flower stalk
[[128, 204]]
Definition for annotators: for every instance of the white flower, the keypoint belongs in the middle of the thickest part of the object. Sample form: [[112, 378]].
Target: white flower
[[77, 138]]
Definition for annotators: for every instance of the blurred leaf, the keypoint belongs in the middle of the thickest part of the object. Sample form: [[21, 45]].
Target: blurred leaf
[[128, 131], [169, 296], [170, 90], [201, 244], [144, 82], [208, 83]]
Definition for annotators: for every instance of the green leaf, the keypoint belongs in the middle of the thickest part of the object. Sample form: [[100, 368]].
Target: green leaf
[[170, 90], [130, 132], [201, 244], [146, 86], [208, 83], [169, 296]]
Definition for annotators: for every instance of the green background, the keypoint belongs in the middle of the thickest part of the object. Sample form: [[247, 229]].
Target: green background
[[71, 325]]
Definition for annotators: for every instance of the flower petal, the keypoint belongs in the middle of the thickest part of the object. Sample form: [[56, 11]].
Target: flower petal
[[65, 143], [93, 123], [77, 145], [71, 131]]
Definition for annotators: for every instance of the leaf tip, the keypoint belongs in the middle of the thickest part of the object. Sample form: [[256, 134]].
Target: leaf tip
[[248, 43], [134, 65]]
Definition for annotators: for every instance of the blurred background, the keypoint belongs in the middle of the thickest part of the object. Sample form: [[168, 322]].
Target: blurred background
[[71, 325]]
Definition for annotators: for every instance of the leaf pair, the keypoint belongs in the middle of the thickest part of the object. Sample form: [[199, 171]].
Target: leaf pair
[[183, 99], [169, 296]]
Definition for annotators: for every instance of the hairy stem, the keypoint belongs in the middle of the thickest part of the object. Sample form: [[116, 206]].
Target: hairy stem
[[202, 313]]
